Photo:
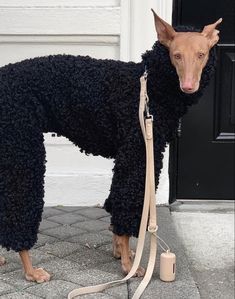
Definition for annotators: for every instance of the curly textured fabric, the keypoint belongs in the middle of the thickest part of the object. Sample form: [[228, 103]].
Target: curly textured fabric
[[94, 103]]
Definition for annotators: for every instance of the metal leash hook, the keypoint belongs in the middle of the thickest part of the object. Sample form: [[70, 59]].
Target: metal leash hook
[[148, 115], [145, 72]]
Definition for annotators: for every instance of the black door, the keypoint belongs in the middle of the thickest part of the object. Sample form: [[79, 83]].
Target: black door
[[202, 164]]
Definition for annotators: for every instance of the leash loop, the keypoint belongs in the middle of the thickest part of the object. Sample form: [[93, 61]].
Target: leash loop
[[152, 229]]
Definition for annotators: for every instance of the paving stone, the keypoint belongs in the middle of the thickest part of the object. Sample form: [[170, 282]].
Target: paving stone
[[112, 266], [95, 239], [92, 225], [215, 283], [55, 289], [88, 258], [118, 292], [178, 289], [16, 278], [45, 224], [68, 272], [106, 219], [115, 267], [72, 263], [14, 261], [69, 209], [10, 256], [43, 240], [60, 249], [91, 277], [20, 295], [50, 211], [96, 276], [63, 232], [107, 248], [3, 251], [9, 266], [93, 213], [67, 218], [107, 232], [69, 269], [97, 296], [60, 268], [5, 288]]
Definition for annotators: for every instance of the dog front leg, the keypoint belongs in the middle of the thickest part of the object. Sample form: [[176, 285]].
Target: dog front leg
[[121, 249], [32, 274], [125, 201]]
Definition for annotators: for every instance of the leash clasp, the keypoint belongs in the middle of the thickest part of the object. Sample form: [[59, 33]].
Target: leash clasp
[[145, 73], [148, 115]]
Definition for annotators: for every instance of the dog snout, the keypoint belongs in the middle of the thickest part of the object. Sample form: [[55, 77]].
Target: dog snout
[[189, 86]]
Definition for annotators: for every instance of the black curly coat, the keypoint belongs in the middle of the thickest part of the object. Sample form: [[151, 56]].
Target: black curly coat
[[94, 103]]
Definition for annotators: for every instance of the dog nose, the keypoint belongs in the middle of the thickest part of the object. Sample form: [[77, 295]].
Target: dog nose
[[187, 86]]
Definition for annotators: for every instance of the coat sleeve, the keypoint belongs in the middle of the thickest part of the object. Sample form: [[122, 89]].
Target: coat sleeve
[[126, 196]]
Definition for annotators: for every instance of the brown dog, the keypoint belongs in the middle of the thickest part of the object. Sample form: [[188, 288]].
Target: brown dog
[[189, 53]]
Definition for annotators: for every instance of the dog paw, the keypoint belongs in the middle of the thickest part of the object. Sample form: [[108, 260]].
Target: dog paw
[[126, 268], [38, 275], [140, 272], [2, 260]]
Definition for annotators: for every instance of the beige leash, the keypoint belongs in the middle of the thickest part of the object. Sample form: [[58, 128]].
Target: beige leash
[[149, 215]]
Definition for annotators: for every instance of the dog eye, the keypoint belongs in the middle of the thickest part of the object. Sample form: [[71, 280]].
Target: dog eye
[[201, 55], [177, 56]]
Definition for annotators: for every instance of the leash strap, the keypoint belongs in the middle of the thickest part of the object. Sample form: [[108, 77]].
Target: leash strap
[[149, 216]]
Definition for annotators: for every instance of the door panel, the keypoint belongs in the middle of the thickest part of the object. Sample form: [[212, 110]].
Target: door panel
[[225, 97], [203, 155]]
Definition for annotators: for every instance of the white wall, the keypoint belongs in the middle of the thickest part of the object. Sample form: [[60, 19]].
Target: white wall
[[99, 28]]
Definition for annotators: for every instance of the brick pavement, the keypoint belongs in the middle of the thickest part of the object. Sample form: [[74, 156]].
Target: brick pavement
[[74, 245]]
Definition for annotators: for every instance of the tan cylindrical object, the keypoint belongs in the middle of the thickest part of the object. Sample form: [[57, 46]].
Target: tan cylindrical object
[[167, 266]]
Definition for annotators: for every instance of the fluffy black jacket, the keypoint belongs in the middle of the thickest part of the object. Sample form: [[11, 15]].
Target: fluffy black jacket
[[94, 103]]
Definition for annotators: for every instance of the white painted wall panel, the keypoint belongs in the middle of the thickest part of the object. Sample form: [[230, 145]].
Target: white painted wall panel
[[65, 21], [80, 189], [59, 3], [42, 46]]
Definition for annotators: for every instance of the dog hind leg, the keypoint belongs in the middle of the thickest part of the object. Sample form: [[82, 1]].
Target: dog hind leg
[[22, 168]]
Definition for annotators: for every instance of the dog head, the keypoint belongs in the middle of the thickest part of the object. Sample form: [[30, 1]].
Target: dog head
[[189, 51]]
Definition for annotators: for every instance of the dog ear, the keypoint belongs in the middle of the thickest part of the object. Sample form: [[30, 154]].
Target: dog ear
[[211, 33], [165, 31]]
